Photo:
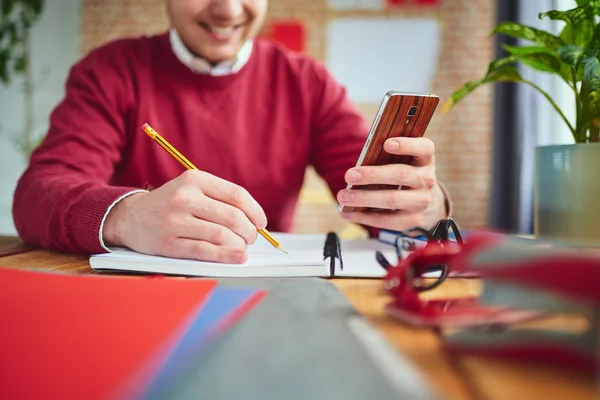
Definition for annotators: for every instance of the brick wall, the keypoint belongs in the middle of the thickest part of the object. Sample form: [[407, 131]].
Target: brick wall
[[462, 137]]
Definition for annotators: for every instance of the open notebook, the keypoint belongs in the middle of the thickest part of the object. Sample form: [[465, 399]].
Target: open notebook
[[309, 255]]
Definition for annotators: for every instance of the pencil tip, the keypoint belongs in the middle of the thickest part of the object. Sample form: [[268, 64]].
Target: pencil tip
[[280, 247]]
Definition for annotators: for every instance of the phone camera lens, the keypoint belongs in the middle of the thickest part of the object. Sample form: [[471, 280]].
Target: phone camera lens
[[412, 111]]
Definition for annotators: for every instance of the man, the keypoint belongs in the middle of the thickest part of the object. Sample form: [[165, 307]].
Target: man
[[248, 114]]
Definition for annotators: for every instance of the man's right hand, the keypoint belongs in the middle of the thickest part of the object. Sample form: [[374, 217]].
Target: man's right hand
[[196, 216]]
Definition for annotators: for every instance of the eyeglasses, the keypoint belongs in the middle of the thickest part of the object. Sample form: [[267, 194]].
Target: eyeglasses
[[445, 232]]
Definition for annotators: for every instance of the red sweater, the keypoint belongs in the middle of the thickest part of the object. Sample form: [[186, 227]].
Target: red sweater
[[259, 128]]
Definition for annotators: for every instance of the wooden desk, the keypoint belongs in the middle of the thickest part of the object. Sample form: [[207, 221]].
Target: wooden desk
[[457, 378]]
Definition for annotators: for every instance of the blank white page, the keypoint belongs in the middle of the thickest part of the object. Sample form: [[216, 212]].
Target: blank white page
[[359, 259], [360, 262]]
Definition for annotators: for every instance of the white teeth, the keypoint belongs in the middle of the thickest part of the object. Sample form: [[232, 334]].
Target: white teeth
[[222, 31]]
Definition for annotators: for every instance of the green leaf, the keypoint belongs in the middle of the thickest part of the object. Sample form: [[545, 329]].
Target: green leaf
[[542, 62], [591, 109], [573, 16], [591, 71], [7, 6], [4, 60], [595, 4], [504, 74], [595, 43], [580, 73], [580, 25], [36, 6], [570, 54], [526, 50], [520, 31], [461, 93], [32, 11], [13, 35], [4, 27], [501, 62], [19, 64], [590, 89], [566, 71], [566, 35], [538, 58], [571, 57], [595, 131]]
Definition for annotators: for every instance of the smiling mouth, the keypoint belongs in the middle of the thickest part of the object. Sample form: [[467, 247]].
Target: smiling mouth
[[219, 31]]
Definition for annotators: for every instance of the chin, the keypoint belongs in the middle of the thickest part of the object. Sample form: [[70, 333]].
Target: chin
[[219, 55]]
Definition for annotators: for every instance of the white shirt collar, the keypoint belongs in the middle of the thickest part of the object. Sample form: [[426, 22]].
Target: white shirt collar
[[201, 66]]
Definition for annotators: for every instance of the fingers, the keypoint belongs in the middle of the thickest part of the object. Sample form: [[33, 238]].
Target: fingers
[[229, 216], [393, 174], [229, 193], [418, 175], [205, 251], [422, 149], [193, 201], [396, 220], [192, 238], [186, 226], [407, 200]]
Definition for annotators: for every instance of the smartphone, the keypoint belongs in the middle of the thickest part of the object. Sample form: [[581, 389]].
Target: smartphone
[[399, 114]]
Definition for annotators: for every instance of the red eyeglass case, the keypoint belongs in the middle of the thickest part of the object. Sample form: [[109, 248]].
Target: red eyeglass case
[[523, 280]]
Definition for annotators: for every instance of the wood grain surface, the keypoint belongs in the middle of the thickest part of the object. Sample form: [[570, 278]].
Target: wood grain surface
[[10, 245], [451, 377]]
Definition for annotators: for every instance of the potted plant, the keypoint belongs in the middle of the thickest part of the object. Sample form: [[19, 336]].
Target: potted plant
[[566, 189], [16, 19]]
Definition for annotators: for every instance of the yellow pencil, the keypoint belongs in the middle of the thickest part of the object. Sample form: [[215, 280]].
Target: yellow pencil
[[186, 163]]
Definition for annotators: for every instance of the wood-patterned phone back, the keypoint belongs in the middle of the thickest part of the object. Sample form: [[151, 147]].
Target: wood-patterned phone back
[[395, 122]]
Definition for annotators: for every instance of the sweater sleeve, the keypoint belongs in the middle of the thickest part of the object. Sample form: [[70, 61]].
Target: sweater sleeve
[[61, 198]]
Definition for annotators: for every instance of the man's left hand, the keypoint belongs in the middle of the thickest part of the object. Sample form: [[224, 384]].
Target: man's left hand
[[420, 203]]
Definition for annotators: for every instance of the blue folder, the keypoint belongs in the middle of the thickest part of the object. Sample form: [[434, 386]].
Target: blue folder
[[197, 334]]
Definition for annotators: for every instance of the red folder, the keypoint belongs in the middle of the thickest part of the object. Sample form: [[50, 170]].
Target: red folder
[[76, 336]]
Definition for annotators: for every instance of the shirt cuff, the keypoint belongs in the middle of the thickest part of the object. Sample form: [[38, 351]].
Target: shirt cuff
[[447, 200], [114, 203]]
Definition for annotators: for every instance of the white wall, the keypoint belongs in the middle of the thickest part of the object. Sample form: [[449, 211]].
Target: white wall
[[55, 47], [369, 53]]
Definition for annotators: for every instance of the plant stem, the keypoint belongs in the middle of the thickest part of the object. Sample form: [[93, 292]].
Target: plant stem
[[28, 92], [547, 96], [594, 132], [578, 131]]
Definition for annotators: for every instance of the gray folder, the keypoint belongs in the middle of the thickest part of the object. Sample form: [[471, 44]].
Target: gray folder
[[304, 340]]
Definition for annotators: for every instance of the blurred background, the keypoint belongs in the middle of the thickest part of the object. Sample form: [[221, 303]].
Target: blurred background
[[484, 146]]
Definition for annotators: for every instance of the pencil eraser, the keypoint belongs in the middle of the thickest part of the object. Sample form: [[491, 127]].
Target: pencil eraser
[[145, 126]]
